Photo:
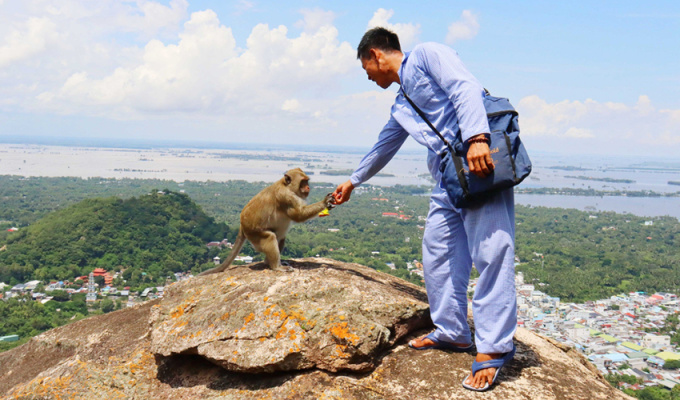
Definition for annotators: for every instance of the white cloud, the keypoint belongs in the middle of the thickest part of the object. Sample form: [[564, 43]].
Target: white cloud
[[205, 74], [408, 33], [465, 29], [244, 6], [313, 19], [592, 125], [154, 16], [26, 40]]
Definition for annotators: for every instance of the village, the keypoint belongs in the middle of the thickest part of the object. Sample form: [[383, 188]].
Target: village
[[619, 335]]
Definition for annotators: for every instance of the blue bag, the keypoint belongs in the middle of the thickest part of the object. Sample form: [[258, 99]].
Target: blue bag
[[509, 156]]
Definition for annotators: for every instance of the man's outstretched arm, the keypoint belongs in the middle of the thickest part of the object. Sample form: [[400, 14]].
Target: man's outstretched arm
[[390, 140]]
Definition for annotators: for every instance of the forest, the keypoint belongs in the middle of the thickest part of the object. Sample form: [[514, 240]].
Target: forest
[[158, 234]]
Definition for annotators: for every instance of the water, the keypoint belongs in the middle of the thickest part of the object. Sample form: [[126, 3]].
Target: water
[[643, 206], [201, 164]]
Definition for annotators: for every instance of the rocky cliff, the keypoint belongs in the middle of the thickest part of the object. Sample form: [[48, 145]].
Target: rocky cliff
[[328, 330]]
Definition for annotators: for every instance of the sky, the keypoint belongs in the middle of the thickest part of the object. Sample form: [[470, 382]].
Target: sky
[[586, 77]]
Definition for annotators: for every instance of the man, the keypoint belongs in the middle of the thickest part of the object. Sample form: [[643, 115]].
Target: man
[[436, 80]]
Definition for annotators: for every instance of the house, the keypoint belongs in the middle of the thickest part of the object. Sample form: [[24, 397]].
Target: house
[[632, 346], [245, 259], [10, 338], [99, 272], [651, 340], [576, 331], [667, 355], [18, 288]]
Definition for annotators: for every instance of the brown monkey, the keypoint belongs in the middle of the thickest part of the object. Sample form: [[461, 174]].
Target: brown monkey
[[266, 218]]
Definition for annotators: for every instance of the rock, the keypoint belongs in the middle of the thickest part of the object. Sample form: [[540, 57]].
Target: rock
[[328, 315], [112, 356]]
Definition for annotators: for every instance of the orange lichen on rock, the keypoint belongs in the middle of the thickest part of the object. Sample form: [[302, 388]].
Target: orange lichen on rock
[[268, 310], [282, 332], [341, 331], [340, 350]]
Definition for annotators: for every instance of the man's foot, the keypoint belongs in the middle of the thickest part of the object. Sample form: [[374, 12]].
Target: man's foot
[[425, 342], [484, 376]]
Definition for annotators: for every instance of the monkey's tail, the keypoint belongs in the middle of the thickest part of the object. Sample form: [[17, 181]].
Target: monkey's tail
[[238, 244]]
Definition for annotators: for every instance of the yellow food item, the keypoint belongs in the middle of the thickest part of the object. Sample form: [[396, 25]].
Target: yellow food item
[[324, 213]]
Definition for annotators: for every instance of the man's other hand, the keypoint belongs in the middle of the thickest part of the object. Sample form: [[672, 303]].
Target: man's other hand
[[343, 192], [479, 159]]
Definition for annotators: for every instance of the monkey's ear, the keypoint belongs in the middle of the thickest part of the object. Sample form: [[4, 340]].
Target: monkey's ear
[[287, 179]]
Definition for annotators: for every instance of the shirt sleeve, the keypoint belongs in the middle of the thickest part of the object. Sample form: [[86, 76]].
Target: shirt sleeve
[[390, 140], [461, 87]]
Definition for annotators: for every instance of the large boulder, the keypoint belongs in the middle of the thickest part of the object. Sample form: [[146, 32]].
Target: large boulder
[[328, 315], [113, 356]]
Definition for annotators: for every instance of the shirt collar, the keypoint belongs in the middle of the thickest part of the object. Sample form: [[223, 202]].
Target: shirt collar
[[403, 63]]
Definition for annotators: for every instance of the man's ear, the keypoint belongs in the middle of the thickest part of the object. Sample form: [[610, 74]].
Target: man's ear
[[287, 179], [374, 55]]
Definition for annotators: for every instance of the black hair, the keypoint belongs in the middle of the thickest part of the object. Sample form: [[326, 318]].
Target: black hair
[[377, 38]]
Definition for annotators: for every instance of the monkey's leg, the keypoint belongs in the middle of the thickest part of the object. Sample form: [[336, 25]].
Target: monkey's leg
[[282, 242], [270, 247]]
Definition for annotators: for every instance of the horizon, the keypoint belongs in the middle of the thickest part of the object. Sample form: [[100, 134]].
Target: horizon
[[156, 144]]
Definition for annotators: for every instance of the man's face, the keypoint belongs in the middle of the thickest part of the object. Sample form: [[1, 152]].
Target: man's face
[[373, 69]]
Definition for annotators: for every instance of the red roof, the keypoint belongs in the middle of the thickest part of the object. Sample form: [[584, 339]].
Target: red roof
[[390, 214], [656, 296], [99, 272], [630, 315]]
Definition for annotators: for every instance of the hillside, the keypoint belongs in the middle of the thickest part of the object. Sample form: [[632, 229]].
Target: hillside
[[355, 321], [158, 233]]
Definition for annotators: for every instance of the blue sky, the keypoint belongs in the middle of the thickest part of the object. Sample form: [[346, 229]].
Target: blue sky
[[585, 76], [608, 51]]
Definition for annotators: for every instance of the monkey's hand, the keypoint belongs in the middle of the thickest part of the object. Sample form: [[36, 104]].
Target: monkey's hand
[[329, 201]]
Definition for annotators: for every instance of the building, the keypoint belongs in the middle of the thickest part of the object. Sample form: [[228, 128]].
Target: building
[[10, 338], [91, 290], [31, 285], [245, 259], [98, 272], [651, 340]]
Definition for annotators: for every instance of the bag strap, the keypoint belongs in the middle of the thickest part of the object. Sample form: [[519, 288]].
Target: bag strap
[[422, 115], [456, 160]]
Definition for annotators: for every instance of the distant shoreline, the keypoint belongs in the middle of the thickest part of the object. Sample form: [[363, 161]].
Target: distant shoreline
[[139, 144]]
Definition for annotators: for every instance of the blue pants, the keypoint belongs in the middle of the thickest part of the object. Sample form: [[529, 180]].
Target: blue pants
[[452, 241]]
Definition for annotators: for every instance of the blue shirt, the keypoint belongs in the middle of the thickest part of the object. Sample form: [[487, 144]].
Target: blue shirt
[[436, 80]]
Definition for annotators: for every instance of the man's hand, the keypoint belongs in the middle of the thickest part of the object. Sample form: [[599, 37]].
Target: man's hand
[[479, 159], [343, 192]]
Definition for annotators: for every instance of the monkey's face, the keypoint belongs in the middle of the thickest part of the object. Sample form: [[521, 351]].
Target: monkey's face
[[298, 182], [304, 188]]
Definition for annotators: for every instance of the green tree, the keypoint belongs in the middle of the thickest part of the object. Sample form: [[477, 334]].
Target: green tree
[[107, 305], [60, 295]]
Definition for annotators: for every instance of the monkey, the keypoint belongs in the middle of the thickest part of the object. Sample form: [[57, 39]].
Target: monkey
[[266, 218]]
